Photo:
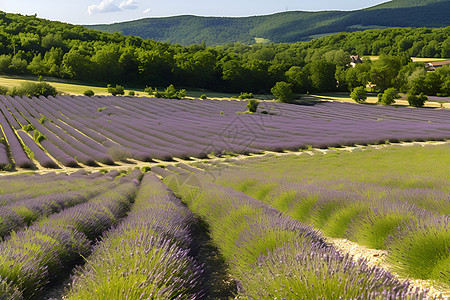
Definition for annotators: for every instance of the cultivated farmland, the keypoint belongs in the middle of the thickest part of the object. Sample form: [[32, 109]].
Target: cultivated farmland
[[98, 131], [268, 220], [253, 226]]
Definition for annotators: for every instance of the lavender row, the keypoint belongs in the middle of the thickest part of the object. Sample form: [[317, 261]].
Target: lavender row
[[16, 114], [19, 187], [4, 159], [154, 244], [11, 120], [31, 259], [38, 154], [25, 212], [20, 157]]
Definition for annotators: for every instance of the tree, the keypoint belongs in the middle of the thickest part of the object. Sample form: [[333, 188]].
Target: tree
[[359, 94], [118, 90], [169, 93], [445, 88], [77, 64], [389, 96], [417, 100], [385, 70], [106, 61], [322, 75], [252, 105], [299, 79], [283, 92], [18, 65], [37, 66], [432, 83], [5, 62], [416, 81]]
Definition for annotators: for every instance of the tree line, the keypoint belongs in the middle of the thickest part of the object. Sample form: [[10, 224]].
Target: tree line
[[29, 45]]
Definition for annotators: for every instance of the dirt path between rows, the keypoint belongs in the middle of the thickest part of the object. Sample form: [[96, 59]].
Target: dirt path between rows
[[131, 163], [378, 258]]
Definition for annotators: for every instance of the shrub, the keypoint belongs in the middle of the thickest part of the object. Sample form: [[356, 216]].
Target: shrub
[[252, 105], [203, 97], [32, 89], [380, 96], [89, 93], [38, 137], [43, 119], [172, 93], [417, 100], [149, 90], [359, 94], [422, 251], [118, 90], [146, 169], [3, 90], [119, 153], [169, 93], [131, 93], [28, 127], [283, 92], [244, 96], [389, 96]]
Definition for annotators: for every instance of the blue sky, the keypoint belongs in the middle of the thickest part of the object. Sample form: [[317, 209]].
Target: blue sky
[[110, 11]]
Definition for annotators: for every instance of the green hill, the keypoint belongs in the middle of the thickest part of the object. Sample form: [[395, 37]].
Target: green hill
[[405, 3], [289, 27]]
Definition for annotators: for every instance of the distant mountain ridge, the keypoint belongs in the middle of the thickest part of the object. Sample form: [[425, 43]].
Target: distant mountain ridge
[[293, 26]]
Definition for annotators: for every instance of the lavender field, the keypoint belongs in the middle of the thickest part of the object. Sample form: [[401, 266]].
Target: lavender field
[[251, 228], [396, 199], [77, 131]]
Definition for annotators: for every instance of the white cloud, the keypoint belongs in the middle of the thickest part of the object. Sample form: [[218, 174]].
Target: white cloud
[[103, 7], [147, 11], [128, 4]]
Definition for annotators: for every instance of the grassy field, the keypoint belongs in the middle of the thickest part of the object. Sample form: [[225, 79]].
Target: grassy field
[[415, 59], [66, 86], [77, 88]]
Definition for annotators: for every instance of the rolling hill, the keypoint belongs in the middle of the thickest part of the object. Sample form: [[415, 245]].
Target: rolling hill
[[293, 26]]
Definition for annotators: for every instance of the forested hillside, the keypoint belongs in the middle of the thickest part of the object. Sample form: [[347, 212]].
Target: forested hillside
[[284, 27], [29, 45]]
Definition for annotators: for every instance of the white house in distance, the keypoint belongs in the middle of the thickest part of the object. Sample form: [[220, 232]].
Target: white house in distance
[[432, 66], [356, 59]]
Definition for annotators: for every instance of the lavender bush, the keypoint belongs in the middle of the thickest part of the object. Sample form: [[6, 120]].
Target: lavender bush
[[151, 247]]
